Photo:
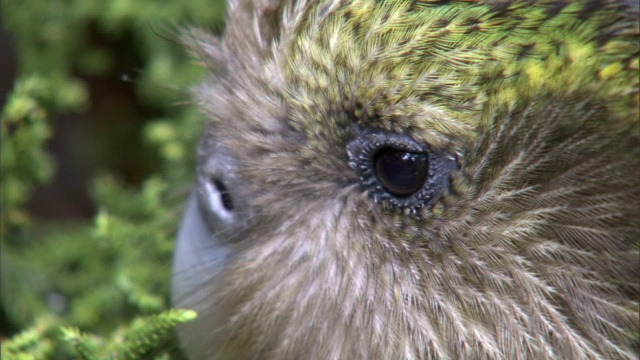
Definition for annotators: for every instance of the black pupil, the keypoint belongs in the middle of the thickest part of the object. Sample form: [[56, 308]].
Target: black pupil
[[401, 173], [224, 194]]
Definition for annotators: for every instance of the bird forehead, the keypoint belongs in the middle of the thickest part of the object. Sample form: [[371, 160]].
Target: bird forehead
[[435, 69]]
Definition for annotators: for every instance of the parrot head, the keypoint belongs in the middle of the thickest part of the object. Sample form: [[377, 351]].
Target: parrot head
[[416, 179]]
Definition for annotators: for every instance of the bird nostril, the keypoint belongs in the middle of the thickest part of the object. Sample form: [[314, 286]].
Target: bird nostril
[[225, 196]]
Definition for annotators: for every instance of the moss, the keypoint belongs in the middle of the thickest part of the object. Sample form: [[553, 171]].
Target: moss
[[96, 289]]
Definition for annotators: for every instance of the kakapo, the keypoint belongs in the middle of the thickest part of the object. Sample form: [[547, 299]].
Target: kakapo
[[416, 180]]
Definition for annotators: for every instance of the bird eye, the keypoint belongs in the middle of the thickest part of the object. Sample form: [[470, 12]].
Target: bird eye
[[396, 169], [401, 173]]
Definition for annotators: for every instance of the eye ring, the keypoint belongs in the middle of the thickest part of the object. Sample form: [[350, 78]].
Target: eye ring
[[421, 173]]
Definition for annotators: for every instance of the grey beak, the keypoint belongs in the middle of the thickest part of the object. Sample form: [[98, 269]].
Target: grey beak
[[199, 256]]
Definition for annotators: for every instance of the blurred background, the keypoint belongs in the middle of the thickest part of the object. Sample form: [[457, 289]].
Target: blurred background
[[97, 129], [126, 67]]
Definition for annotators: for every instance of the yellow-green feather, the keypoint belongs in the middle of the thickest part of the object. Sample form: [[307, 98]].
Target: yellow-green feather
[[461, 57]]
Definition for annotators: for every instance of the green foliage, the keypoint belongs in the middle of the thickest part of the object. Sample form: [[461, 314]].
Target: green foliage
[[24, 131], [96, 290], [140, 340], [30, 344]]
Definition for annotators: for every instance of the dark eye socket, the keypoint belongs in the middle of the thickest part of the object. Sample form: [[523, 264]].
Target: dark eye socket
[[401, 173]]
